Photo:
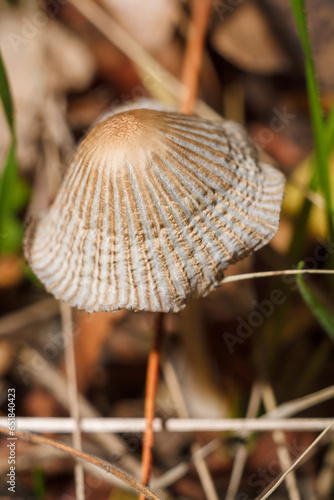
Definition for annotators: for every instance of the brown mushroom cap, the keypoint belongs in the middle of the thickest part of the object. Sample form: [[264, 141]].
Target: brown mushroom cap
[[152, 210]]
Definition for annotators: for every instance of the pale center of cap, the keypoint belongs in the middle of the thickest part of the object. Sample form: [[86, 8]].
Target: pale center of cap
[[132, 135]]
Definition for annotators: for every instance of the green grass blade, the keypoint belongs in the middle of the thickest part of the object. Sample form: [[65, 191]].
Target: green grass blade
[[6, 97], [299, 235], [13, 192], [11, 229], [320, 311], [39, 483], [318, 125]]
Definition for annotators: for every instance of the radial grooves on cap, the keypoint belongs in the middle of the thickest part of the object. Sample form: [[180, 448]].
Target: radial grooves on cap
[[76, 237], [153, 209], [150, 230], [181, 249], [182, 162], [201, 204], [231, 193], [186, 207], [181, 242]]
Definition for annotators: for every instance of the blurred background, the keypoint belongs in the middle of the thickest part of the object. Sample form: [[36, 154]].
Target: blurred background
[[68, 62]]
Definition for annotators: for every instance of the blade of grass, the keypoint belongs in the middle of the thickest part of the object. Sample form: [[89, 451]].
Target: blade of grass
[[11, 230], [6, 98], [13, 191], [318, 125], [38, 480], [299, 235], [320, 311]]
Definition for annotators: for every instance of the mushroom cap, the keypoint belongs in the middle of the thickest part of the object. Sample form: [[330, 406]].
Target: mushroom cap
[[154, 207]]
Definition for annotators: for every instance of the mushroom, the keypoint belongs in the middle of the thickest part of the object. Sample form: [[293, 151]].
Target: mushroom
[[155, 206]]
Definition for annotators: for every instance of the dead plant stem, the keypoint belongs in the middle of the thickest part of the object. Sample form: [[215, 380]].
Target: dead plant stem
[[150, 393], [194, 54], [33, 438]]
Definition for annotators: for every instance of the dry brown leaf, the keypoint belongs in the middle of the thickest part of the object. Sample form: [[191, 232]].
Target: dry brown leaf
[[90, 336], [42, 59], [247, 40]]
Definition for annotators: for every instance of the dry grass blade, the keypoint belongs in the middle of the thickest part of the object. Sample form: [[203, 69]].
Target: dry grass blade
[[292, 407], [133, 483], [268, 274], [172, 475], [180, 405], [66, 318], [242, 452], [296, 463], [269, 401], [122, 40]]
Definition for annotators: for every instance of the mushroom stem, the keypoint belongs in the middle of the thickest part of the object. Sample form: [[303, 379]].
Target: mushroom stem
[[190, 78], [150, 393], [194, 54]]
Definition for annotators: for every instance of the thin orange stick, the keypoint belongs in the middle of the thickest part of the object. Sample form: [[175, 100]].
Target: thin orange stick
[[194, 54], [150, 393]]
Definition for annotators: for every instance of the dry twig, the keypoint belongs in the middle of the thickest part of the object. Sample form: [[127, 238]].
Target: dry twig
[[133, 483]]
